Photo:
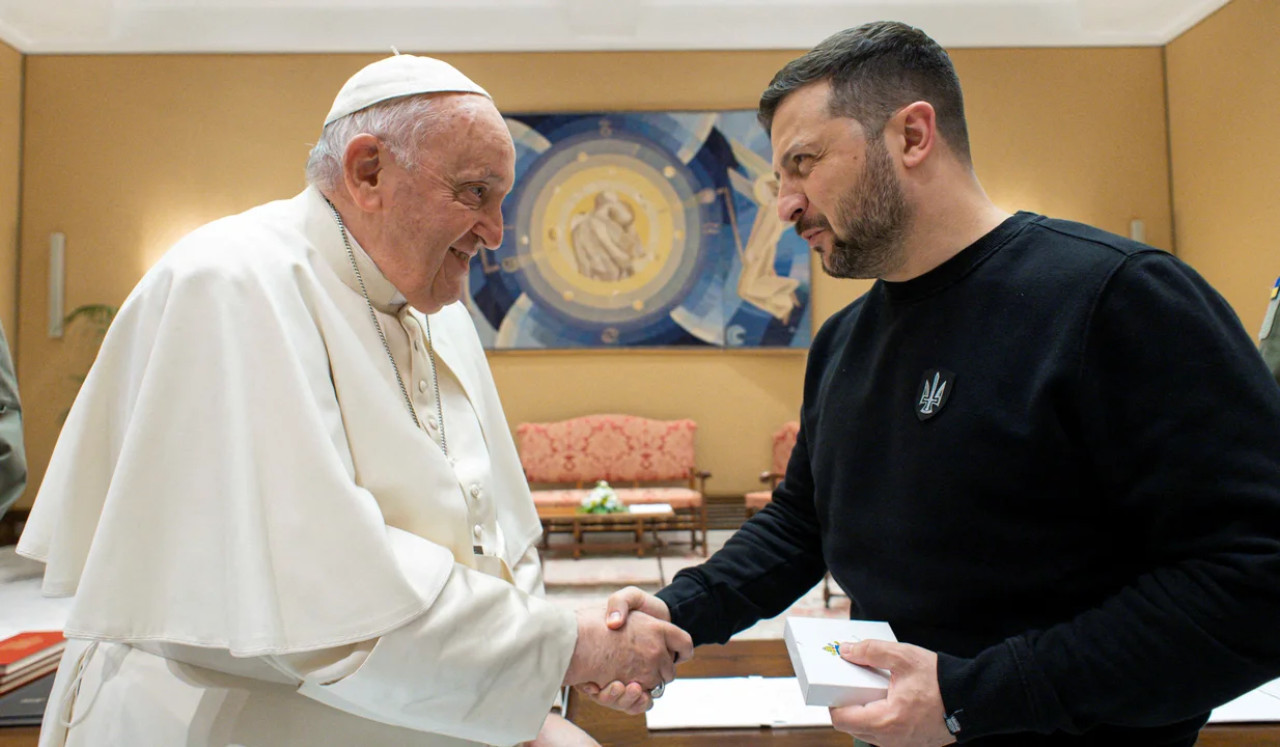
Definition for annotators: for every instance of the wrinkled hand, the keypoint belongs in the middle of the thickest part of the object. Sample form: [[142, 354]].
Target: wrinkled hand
[[644, 651], [632, 698], [558, 731], [912, 715]]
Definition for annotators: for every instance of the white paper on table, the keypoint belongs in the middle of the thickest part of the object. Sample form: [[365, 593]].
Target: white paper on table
[[789, 705], [734, 702], [649, 508], [1262, 704]]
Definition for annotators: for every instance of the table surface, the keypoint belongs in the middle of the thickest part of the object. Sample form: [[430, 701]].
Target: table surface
[[769, 658]]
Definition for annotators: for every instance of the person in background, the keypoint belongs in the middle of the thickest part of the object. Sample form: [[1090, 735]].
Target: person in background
[[13, 456], [1049, 456], [286, 498], [1270, 337]]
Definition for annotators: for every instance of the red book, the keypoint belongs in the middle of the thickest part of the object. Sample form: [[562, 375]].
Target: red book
[[24, 649]]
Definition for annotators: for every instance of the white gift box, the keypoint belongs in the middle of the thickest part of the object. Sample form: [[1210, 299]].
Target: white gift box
[[826, 679]]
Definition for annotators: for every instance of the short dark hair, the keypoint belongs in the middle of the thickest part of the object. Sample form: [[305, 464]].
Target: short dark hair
[[875, 70]]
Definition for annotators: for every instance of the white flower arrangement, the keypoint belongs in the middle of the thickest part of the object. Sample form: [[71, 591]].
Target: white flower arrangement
[[602, 500]]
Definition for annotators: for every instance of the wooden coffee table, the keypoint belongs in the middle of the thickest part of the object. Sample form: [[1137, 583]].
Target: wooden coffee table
[[569, 519]]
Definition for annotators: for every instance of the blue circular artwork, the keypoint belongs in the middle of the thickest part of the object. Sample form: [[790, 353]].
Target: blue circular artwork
[[627, 230]]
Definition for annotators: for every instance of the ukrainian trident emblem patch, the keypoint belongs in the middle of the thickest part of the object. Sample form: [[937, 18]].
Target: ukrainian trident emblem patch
[[935, 388]]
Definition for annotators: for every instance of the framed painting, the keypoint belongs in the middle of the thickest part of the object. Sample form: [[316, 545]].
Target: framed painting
[[642, 229]]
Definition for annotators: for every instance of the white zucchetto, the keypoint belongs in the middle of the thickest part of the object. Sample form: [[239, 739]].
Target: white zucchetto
[[400, 75]]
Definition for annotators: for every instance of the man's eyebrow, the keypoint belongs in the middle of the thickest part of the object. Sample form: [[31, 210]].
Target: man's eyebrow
[[785, 158]]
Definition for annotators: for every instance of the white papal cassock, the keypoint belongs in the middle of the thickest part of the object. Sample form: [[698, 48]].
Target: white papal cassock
[[263, 547]]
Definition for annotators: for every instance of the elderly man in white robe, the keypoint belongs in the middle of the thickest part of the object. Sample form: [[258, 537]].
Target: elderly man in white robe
[[287, 501]]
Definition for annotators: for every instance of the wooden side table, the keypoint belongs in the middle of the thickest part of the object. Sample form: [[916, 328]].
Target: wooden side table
[[570, 519]]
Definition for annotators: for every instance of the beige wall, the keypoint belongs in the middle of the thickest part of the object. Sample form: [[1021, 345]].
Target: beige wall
[[10, 175], [124, 154], [1224, 102]]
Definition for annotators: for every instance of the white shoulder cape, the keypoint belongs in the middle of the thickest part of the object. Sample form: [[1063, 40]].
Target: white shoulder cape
[[238, 470]]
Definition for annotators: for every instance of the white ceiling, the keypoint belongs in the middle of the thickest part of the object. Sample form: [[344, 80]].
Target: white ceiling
[[160, 26]]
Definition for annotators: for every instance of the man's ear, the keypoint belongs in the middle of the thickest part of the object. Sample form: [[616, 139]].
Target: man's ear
[[362, 175], [917, 125]]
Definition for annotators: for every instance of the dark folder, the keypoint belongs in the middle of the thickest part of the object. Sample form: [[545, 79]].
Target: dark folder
[[25, 706]]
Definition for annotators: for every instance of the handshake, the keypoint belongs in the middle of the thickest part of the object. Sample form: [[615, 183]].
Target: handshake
[[625, 657]]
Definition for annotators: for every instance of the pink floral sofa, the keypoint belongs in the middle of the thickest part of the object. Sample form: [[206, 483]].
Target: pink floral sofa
[[645, 461], [783, 442]]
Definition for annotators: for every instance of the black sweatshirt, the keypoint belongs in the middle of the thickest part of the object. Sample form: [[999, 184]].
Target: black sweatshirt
[[1055, 460]]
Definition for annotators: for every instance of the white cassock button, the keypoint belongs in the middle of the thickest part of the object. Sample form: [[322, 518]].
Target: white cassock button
[[477, 531], [475, 491], [422, 385], [432, 423]]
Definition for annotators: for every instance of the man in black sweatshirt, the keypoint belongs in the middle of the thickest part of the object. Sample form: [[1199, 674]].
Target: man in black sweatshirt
[[1047, 455]]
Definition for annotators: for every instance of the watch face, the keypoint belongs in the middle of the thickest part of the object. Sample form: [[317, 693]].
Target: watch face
[[953, 721], [642, 229]]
